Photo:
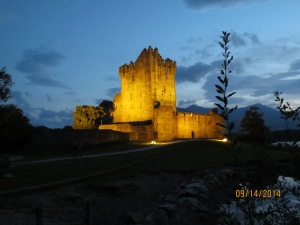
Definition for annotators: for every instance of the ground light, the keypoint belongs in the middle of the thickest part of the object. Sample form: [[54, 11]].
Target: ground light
[[225, 140], [153, 143]]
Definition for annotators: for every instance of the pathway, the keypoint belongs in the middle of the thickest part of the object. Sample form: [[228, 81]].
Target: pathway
[[102, 154]]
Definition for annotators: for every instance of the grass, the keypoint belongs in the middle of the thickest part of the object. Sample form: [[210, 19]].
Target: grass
[[62, 150], [179, 157]]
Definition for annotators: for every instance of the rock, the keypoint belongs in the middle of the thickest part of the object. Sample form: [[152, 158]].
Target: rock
[[130, 218], [161, 197], [199, 185], [136, 217], [204, 196], [159, 217], [189, 201], [188, 192], [213, 180], [194, 192], [203, 216], [194, 204], [192, 196], [222, 176], [182, 185], [172, 210], [148, 222], [203, 208], [170, 199]]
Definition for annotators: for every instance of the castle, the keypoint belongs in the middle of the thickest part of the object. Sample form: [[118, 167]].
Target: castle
[[146, 105]]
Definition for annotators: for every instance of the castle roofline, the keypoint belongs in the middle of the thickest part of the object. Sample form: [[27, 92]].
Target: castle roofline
[[147, 54]]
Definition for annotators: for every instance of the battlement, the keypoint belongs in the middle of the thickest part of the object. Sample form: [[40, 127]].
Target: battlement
[[148, 58]]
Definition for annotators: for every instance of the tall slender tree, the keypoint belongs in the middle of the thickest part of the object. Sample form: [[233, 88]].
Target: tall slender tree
[[288, 113], [222, 88]]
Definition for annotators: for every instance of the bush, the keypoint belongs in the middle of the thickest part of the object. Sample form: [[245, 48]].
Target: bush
[[15, 129]]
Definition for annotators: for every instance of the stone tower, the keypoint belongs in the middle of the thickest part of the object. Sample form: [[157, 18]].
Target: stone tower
[[148, 82]]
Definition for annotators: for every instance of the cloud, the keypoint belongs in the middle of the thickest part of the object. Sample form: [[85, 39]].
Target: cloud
[[19, 99], [186, 102], [274, 70], [253, 87], [192, 73], [111, 92], [35, 63], [204, 4], [239, 40], [193, 54], [295, 65], [98, 101], [253, 37], [70, 93], [199, 70], [257, 71], [41, 116], [191, 40], [49, 99], [52, 119]]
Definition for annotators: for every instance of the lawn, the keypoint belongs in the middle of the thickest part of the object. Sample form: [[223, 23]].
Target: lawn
[[64, 150], [179, 157]]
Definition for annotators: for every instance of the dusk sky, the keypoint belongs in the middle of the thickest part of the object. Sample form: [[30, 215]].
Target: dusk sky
[[63, 53]]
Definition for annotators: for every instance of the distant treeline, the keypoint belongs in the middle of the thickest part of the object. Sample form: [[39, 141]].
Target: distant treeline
[[280, 135], [47, 136], [284, 135]]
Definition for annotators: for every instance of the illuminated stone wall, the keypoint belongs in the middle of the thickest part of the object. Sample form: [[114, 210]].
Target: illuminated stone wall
[[163, 123], [136, 132], [150, 79], [201, 125]]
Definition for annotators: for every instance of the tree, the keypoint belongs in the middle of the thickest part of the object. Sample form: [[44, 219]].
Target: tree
[[5, 85], [287, 113], [15, 129], [87, 117], [286, 110], [109, 108], [253, 128]]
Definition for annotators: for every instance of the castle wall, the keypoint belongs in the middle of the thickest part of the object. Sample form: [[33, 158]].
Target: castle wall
[[201, 125], [163, 123], [186, 123], [136, 132], [147, 80]]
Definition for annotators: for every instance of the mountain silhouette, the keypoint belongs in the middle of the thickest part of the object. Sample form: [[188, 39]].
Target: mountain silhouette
[[270, 115]]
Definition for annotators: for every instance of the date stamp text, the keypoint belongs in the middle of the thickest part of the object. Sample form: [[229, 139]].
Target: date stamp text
[[257, 193]]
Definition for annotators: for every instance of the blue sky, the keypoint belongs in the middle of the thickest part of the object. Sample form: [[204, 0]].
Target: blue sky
[[63, 53]]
